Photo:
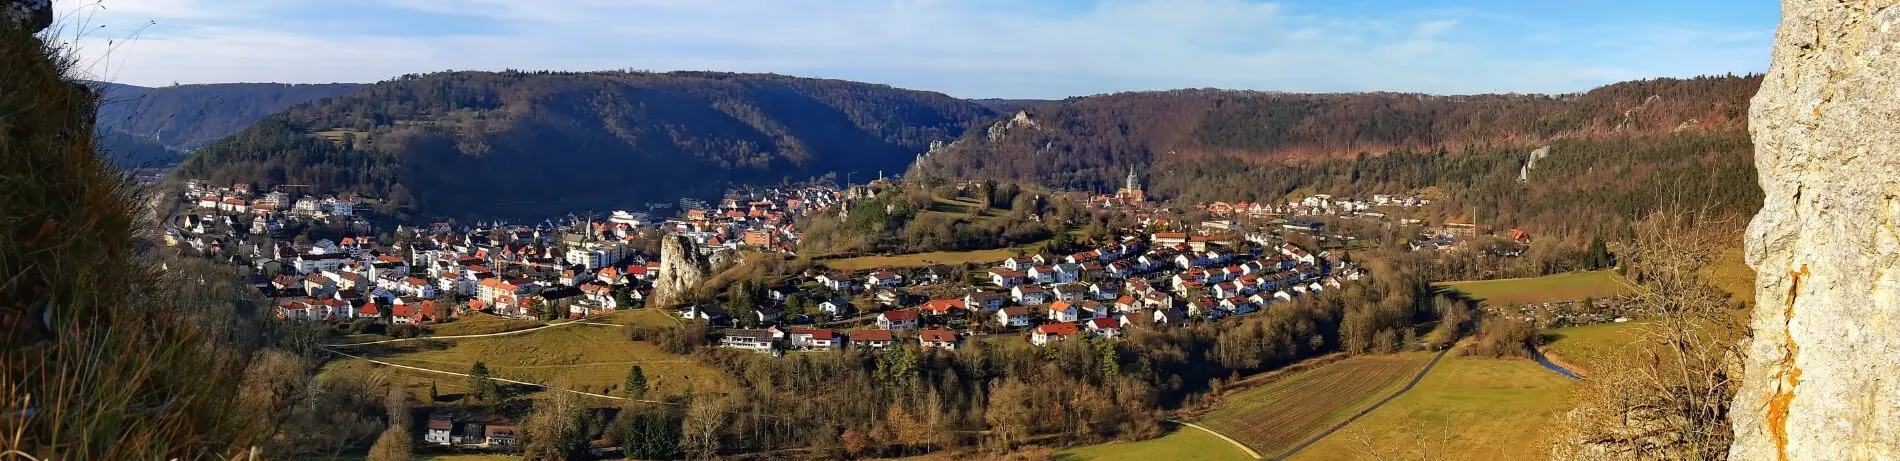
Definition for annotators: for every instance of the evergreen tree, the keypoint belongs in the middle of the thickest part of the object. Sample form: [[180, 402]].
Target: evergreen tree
[[481, 384], [636, 383]]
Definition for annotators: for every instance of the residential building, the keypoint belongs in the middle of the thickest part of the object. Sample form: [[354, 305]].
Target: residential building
[[897, 320], [1050, 332], [937, 339]]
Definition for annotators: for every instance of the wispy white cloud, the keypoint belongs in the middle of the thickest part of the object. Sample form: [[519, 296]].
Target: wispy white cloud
[[977, 48]]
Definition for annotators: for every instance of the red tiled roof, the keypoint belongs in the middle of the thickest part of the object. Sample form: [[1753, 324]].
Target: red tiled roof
[[937, 335], [942, 306], [871, 335], [1059, 329], [899, 316], [816, 333]]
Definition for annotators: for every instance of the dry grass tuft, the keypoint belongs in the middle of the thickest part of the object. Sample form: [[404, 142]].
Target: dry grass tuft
[[96, 365]]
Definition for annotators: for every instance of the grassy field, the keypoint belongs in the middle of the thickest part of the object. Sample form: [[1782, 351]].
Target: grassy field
[[1275, 417], [921, 259], [1475, 409], [585, 357], [1731, 273], [481, 324], [1183, 443], [1582, 346], [425, 458], [1562, 287], [1465, 409], [960, 207]]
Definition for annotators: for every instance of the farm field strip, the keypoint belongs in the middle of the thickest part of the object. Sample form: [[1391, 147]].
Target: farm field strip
[[1280, 415]]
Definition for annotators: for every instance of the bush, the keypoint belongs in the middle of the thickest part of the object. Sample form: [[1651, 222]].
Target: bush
[[1505, 337]]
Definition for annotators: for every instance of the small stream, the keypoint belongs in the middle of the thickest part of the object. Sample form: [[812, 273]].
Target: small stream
[[1552, 366]]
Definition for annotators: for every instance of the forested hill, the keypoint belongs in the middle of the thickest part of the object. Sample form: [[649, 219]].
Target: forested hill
[[537, 144], [186, 117], [1088, 143]]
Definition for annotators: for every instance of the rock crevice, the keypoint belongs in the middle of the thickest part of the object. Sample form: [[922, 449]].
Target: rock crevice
[[1820, 378]]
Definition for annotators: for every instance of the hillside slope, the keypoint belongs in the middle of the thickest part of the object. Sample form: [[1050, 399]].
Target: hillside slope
[[186, 117], [1089, 142], [529, 145]]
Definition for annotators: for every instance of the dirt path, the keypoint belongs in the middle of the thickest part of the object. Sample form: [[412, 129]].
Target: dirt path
[[1355, 417], [1236, 443]]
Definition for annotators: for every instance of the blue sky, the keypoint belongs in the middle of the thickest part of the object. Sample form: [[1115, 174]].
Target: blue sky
[[966, 48]]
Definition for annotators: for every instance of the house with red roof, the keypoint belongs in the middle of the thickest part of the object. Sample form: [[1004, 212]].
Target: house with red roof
[[875, 339], [943, 307], [897, 320], [1054, 331], [937, 339]]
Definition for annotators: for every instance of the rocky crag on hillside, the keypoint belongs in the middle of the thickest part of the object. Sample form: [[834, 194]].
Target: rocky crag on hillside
[[1820, 380], [683, 267]]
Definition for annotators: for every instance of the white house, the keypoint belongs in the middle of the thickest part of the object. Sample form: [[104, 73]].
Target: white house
[[1103, 327], [875, 339], [836, 307], [897, 320], [814, 338], [1007, 278], [438, 431], [836, 282], [884, 278], [937, 339], [1048, 332], [1062, 311], [1013, 317], [756, 340], [985, 300], [1071, 292], [1029, 295]]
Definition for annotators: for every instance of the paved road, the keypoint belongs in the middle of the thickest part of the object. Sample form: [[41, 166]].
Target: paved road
[[1355, 417], [1237, 444]]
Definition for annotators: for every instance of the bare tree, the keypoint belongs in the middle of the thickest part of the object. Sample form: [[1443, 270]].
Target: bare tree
[[1667, 395], [705, 421]]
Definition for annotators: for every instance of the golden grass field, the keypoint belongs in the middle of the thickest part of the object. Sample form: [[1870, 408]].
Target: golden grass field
[[1475, 408], [1465, 409], [1274, 417], [1561, 287], [593, 358], [1183, 443]]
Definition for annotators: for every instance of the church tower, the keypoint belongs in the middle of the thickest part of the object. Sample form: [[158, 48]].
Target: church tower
[[1131, 190]]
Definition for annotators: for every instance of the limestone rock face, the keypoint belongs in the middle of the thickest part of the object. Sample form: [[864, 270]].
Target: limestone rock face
[[682, 267], [32, 15], [1822, 377]]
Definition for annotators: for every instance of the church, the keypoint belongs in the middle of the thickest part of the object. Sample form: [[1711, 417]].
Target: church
[[1130, 192]]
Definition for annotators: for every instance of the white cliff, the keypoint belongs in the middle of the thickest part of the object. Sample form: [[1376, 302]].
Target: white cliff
[[1822, 379]]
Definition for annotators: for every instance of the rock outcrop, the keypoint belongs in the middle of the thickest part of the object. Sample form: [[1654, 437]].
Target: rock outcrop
[[682, 267], [32, 15], [1821, 380]]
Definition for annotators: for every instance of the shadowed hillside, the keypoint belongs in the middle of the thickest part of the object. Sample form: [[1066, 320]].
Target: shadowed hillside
[[519, 144], [1089, 142]]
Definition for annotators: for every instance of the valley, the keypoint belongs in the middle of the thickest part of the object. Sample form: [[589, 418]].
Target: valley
[[1299, 316]]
